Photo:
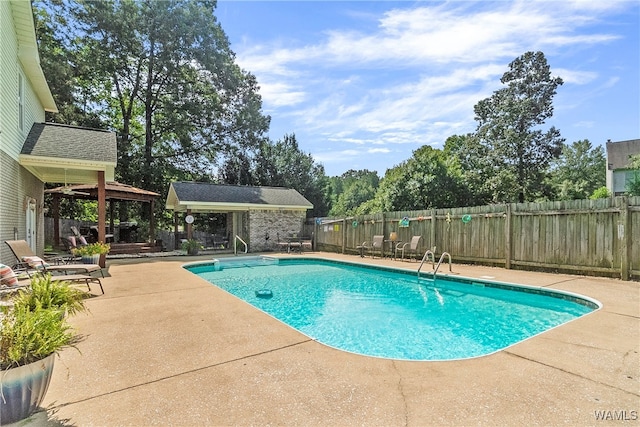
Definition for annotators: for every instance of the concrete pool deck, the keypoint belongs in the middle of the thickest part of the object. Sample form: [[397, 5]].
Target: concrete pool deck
[[164, 347]]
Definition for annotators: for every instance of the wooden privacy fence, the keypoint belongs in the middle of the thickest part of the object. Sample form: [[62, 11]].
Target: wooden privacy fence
[[597, 237]]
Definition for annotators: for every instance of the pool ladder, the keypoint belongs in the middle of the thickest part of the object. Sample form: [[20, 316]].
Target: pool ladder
[[433, 259]]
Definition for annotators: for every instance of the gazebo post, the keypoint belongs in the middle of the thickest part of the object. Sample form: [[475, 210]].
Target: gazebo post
[[152, 225], [111, 212], [102, 212], [55, 213], [175, 229]]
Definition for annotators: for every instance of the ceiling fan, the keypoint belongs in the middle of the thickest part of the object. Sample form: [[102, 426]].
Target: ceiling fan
[[68, 191]]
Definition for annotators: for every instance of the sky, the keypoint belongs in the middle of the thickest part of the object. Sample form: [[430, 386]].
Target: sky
[[363, 84]]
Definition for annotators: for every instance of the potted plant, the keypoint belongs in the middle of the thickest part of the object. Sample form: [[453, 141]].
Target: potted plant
[[92, 252], [192, 246], [32, 330]]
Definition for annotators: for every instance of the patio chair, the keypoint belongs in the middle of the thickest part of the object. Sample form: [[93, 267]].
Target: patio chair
[[307, 243], [29, 260], [295, 243], [377, 243], [409, 248], [282, 244]]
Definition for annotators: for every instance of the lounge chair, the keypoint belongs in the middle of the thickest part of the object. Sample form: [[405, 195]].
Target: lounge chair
[[9, 280], [29, 260], [408, 248]]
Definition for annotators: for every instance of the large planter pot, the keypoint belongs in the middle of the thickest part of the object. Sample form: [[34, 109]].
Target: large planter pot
[[23, 388], [91, 259]]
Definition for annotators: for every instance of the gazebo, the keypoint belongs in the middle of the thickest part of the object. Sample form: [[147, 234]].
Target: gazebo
[[114, 191]]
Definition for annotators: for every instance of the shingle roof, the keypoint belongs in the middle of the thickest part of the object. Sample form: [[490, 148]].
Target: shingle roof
[[618, 153], [200, 192], [71, 142]]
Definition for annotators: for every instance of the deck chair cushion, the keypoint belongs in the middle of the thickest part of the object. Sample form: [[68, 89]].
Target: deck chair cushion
[[35, 262], [7, 276]]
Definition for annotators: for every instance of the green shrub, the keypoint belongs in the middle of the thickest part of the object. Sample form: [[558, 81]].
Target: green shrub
[[600, 193], [28, 335], [35, 326], [49, 293]]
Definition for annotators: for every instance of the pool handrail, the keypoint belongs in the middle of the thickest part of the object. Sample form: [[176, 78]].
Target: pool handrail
[[425, 258], [447, 254], [235, 246]]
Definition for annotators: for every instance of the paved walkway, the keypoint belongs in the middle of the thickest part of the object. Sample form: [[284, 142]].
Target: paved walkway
[[164, 347]]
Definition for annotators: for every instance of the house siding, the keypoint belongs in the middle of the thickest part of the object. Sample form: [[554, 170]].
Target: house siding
[[18, 185]]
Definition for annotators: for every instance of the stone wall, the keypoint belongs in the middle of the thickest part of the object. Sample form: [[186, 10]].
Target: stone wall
[[267, 225]]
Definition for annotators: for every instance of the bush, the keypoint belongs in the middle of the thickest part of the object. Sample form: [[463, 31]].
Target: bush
[[600, 193], [92, 249], [35, 326]]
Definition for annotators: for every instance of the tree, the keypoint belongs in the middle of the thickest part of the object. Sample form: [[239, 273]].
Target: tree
[[578, 172], [429, 179], [633, 186], [473, 160], [163, 75], [351, 190], [59, 65], [517, 150], [283, 164]]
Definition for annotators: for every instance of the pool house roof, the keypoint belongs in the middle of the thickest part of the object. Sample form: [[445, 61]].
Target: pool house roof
[[206, 197]]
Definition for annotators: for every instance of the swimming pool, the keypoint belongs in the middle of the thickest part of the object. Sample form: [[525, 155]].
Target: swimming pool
[[392, 313]]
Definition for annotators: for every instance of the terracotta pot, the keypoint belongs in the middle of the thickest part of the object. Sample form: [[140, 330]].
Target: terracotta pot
[[23, 389]]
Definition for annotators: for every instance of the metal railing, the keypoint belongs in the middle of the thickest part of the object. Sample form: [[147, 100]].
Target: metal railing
[[439, 262], [235, 245], [425, 258]]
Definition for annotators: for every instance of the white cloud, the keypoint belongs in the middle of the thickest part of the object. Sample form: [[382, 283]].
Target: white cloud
[[415, 78], [575, 76]]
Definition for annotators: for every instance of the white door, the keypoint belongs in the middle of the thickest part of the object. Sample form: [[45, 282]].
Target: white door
[[31, 224]]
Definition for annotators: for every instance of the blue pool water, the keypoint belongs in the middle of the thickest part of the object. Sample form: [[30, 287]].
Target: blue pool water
[[392, 313]]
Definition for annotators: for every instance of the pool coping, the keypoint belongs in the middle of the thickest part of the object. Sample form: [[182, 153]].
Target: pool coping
[[164, 347]]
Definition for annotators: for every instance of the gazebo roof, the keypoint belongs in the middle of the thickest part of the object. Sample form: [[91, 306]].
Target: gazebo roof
[[206, 197], [114, 190]]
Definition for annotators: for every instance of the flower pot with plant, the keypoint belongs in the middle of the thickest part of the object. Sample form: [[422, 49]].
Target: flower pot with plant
[[91, 253], [32, 330], [192, 246]]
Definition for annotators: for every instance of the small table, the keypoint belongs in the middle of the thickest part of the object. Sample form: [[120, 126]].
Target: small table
[[392, 247]]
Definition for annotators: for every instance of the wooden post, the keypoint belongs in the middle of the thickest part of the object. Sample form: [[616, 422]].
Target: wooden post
[[507, 237], [433, 230], [152, 225], [175, 230], [102, 212], [111, 215], [384, 234], [624, 235], [55, 213], [189, 227], [344, 234]]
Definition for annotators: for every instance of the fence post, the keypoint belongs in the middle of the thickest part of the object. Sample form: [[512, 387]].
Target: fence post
[[507, 237], [433, 229], [344, 234], [624, 235]]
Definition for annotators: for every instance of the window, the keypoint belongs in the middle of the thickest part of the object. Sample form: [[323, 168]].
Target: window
[[20, 102]]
